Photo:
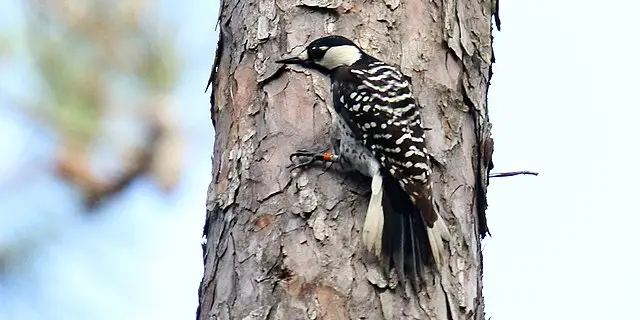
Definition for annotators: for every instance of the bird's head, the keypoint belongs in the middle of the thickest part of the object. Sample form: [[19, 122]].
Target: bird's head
[[326, 54]]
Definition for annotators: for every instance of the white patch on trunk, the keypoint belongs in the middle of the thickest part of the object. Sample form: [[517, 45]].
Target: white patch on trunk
[[303, 55]]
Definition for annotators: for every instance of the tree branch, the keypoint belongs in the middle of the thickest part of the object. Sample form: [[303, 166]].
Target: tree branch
[[513, 173]]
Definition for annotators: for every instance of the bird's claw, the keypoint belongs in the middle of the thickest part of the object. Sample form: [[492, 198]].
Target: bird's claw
[[312, 157]]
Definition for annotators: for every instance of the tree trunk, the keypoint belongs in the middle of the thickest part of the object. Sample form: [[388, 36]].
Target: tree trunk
[[286, 245]]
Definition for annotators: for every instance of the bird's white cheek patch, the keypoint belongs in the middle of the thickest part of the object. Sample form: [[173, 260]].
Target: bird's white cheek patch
[[340, 56]]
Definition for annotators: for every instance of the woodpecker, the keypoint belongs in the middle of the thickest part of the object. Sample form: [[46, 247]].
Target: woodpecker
[[380, 135]]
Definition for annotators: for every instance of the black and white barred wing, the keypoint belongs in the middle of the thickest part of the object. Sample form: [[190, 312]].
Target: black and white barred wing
[[378, 104]]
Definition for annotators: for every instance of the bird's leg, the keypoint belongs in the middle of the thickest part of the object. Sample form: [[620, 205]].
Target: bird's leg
[[311, 157], [307, 158]]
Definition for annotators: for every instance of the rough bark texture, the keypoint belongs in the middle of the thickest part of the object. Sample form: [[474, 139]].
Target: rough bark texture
[[283, 245]]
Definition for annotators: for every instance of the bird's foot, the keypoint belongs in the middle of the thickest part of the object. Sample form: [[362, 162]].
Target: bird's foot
[[310, 157]]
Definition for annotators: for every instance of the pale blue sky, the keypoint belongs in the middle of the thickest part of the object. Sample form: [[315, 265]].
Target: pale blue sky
[[141, 258], [562, 102]]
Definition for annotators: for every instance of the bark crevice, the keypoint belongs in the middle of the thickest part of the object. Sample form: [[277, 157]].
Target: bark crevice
[[283, 245]]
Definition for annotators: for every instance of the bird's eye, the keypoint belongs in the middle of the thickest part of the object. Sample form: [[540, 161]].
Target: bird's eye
[[316, 53]]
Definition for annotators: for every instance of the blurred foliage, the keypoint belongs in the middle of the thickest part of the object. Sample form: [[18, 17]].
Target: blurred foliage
[[4, 48], [104, 63]]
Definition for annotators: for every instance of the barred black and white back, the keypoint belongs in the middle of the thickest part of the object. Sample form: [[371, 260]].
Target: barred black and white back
[[379, 113], [378, 101]]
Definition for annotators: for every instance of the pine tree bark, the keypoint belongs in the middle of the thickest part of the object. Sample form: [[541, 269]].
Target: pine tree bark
[[286, 245]]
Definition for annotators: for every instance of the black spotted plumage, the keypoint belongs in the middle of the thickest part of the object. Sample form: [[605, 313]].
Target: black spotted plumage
[[377, 103], [388, 122], [382, 137]]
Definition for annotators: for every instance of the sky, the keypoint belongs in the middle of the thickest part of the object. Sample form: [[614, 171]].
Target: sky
[[562, 103], [140, 257]]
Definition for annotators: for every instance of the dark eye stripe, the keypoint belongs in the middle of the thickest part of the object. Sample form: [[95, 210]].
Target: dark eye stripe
[[316, 53]]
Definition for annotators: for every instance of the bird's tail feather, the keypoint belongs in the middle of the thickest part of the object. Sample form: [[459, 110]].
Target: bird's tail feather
[[436, 234], [374, 221], [407, 243], [404, 237]]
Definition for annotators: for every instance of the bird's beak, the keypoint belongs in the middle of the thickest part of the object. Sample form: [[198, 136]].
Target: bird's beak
[[294, 60], [300, 59]]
